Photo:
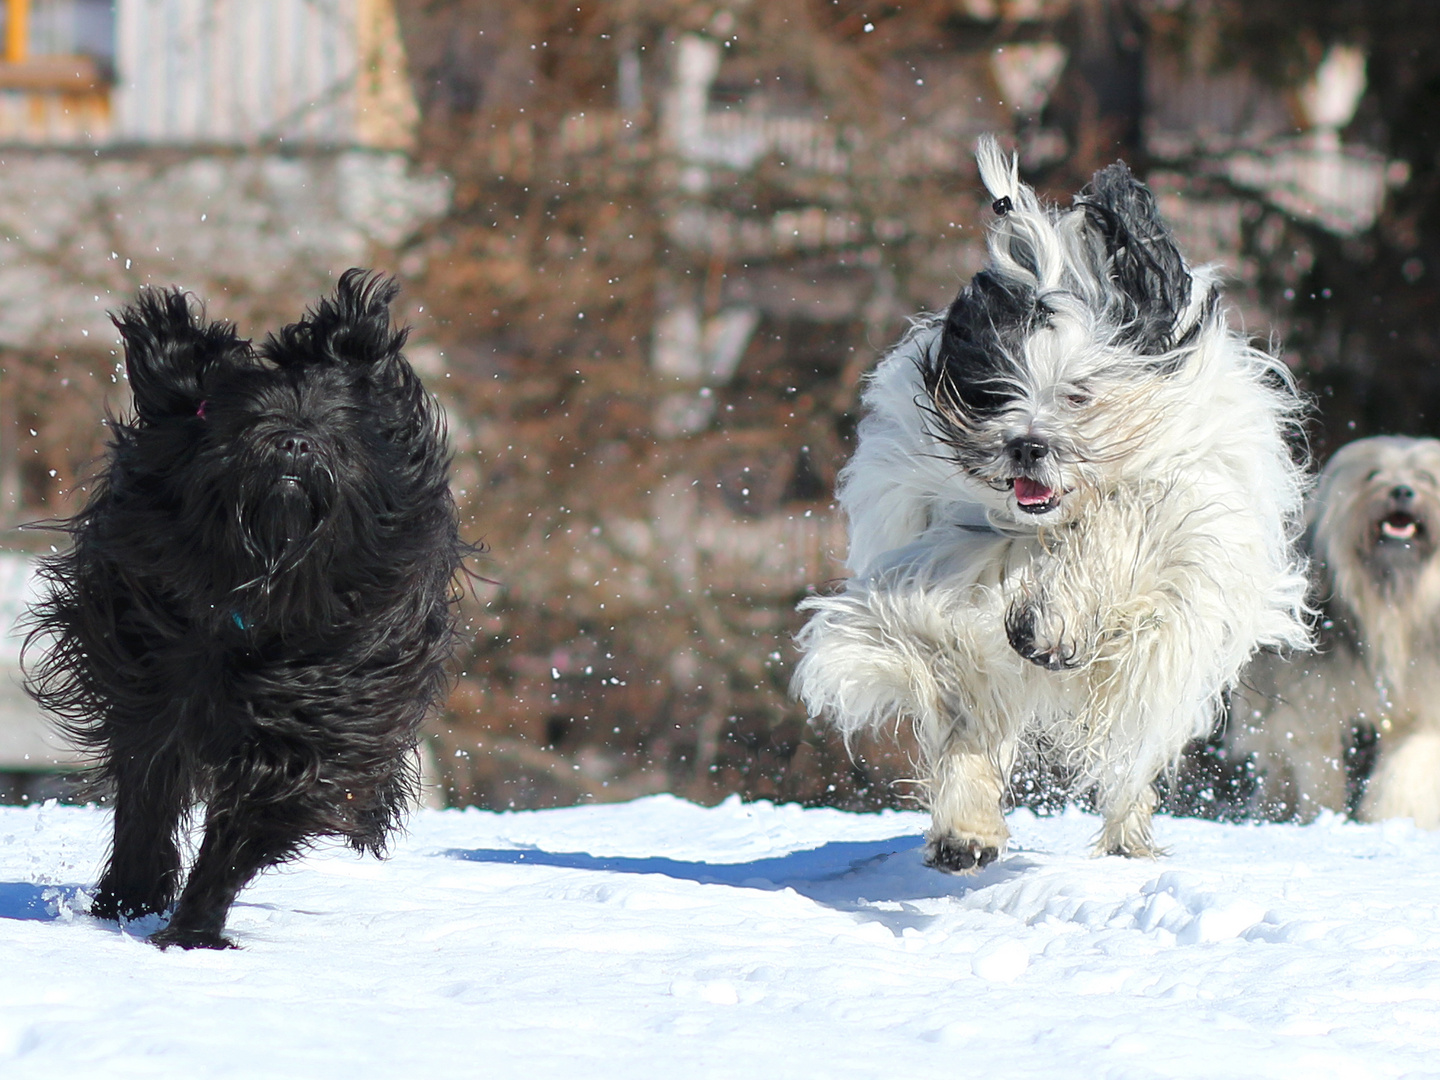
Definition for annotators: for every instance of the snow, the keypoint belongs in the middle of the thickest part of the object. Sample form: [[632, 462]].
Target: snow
[[660, 938]]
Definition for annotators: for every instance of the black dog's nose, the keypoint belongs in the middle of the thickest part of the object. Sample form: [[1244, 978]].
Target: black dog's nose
[[294, 445], [294, 451], [1027, 450], [1402, 493]]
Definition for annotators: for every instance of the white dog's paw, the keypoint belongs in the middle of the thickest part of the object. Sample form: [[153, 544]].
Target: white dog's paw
[[1040, 636], [959, 855]]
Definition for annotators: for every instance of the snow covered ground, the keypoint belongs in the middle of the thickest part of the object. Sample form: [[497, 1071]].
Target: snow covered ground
[[662, 939]]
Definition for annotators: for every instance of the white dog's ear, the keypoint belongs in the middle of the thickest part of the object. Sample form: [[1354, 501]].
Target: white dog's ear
[[1142, 261]]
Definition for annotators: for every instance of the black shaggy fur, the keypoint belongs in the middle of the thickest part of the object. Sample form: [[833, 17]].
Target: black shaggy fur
[[1143, 260], [980, 351], [260, 599]]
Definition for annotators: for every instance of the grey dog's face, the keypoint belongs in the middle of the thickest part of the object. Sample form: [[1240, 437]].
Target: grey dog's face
[[1378, 508]]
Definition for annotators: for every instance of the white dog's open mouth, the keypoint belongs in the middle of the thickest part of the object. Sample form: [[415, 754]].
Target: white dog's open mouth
[[1034, 497], [1400, 526]]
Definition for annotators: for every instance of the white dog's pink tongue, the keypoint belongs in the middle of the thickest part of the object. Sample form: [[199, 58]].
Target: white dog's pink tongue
[[1031, 492]]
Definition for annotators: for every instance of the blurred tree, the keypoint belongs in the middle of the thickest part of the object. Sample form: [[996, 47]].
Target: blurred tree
[[682, 231]]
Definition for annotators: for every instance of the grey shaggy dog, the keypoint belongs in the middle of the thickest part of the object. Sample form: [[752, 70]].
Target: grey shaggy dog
[[1370, 695]]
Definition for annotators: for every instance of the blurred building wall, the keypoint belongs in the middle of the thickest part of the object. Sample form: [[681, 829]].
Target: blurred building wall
[[247, 73], [26, 745], [682, 233], [248, 151]]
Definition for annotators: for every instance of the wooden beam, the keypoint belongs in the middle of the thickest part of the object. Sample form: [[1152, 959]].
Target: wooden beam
[[66, 74], [17, 31]]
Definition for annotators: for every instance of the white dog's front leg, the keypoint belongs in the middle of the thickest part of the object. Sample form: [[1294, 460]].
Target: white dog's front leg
[[1052, 617], [1127, 825], [1042, 632], [967, 828]]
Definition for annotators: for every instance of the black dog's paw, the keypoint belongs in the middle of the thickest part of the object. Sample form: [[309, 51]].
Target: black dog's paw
[[105, 906], [1022, 628], [956, 856], [191, 939], [111, 906]]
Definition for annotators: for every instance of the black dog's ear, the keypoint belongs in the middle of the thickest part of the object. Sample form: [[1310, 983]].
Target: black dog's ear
[[1141, 256], [169, 348], [352, 327]]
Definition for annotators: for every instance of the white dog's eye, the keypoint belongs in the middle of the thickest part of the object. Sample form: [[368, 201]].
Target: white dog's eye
[[1077, 397]]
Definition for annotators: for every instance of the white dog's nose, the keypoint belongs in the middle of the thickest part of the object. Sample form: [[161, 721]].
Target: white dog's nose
[[1027, 450]]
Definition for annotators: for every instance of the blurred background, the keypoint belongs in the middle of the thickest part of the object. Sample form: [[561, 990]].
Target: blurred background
[[649, 248]]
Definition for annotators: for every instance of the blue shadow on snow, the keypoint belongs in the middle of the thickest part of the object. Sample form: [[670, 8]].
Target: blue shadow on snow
[[826, 863], [37, 903], [870, 878]]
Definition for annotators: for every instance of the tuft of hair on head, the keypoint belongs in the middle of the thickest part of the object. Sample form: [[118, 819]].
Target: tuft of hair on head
[[1022, 244], [1000, 173], [169, 348], [351, 327]]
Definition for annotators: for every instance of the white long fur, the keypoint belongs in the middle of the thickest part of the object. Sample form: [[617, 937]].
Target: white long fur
[[1295, 715], [1173, 565]]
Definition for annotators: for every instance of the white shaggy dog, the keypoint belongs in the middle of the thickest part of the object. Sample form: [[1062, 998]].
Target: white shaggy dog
[[1375, 526], [1071, 519]]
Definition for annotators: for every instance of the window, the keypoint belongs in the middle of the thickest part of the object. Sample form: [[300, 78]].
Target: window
[[57, 44], [71, 28]]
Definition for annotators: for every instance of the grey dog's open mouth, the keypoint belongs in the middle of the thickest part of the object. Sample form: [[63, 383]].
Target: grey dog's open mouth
[[1400, 526], [1034, 497]]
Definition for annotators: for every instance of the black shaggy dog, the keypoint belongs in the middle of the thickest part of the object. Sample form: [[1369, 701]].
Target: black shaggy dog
[[260, 599]]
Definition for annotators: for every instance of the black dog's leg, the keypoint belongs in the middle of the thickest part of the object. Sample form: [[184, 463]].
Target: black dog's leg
[[242, 837], [143, 872], [374, 818]]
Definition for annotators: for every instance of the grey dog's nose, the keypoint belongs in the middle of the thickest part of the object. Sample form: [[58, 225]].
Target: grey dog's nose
[[1402, 493], [1027, 450]]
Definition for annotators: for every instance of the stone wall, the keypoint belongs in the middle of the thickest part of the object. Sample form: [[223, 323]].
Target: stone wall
[[256, 236]]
